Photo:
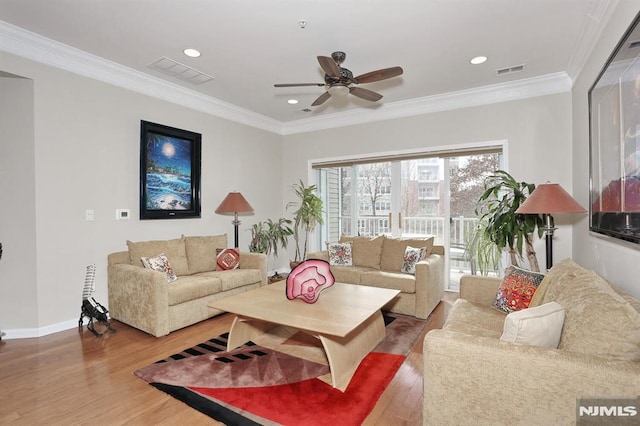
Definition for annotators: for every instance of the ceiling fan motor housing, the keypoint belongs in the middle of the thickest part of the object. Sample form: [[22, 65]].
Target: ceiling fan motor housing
[[346, 76]]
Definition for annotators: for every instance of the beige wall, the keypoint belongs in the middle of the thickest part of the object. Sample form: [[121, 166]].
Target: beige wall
[[85, 155], [616, 260], [537, 131], [18, 291]]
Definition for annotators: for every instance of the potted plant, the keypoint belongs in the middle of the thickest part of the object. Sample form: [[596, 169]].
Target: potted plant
[[499, 221], [267, 236], [483, 251], [306, 216]]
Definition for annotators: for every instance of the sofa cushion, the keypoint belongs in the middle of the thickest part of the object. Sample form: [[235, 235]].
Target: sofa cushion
[[394, 280], [366, 250], [201, 252], [160, 263], [192, 287], [598, 321], [173, 249], [475, 319], [234, 278], [538, 326], [516, 289], [349, 274], [340, 254], [393, 250]]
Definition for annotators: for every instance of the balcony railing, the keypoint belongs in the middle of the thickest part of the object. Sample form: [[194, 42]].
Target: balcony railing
[[460, 227]]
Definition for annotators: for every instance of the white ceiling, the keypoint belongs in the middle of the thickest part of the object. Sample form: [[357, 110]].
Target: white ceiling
[[248, 45]]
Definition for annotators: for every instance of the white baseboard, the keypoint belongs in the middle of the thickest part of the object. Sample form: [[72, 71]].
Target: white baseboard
[[27, 333]]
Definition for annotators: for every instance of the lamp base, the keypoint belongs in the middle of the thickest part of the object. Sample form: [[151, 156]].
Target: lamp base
[[236, 223], [548, 231]]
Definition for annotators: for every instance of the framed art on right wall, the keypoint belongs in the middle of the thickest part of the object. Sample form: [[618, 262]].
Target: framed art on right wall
[[614, 142]]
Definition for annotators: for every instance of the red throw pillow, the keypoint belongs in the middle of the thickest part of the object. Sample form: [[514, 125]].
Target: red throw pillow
[[516, 289], [228, 259]]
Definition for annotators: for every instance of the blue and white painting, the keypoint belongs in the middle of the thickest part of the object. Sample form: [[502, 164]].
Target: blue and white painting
[[169, 171]]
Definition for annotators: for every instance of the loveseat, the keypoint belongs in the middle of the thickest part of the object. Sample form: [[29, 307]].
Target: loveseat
[[378, 261], [145, 299], [474, 374]]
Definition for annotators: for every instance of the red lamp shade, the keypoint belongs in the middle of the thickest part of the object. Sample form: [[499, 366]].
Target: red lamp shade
[[234, 203], [550, 198]]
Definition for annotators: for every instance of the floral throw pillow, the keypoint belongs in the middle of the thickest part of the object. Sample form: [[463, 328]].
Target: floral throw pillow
[[160, 263], [340, 254], [516, 289], [412, 256]]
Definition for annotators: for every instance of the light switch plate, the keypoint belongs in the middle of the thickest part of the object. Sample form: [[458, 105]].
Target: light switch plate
[[89, 215]]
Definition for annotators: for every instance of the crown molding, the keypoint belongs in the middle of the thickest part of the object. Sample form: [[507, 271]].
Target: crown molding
[[600, 14], [486, 95], [32, 46], [29, 45]]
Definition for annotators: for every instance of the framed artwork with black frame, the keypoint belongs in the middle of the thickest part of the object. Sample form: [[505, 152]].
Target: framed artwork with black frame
[[169, 172], [614, 142]]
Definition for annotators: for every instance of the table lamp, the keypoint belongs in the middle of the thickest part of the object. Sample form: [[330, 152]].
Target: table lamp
[[548, 199], [234, 203]]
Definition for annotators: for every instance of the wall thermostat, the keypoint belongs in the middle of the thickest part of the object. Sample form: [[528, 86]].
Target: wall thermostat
[[122, 214]]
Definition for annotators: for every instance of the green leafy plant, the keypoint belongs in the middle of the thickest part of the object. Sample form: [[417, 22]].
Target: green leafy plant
[[483, 251], [267, 236], [306, 216], [504, 227]]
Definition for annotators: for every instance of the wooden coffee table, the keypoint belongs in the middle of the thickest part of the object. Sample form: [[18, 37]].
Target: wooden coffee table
[[346, 318]]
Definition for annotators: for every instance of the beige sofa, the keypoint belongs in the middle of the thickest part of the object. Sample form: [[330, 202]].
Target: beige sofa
[[472, 377], [377, 262], [145, 300]]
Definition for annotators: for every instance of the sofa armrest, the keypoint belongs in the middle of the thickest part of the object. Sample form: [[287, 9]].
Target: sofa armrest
[[321, 255], [429, 284], [139, 297], [480, 378], [250, 260], [479, 289]]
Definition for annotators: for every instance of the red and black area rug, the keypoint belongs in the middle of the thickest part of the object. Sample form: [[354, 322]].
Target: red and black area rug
[[282, 380]]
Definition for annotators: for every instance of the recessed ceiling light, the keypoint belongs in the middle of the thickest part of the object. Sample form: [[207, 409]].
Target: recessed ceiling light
[[478, 60], [292, 101], [192, 53]]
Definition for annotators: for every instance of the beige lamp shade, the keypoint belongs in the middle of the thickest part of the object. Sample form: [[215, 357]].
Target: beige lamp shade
[[234, 203], [550, 198]]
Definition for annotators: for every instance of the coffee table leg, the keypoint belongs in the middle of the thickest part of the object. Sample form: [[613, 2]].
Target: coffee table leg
[[345, 354], [245, 329]]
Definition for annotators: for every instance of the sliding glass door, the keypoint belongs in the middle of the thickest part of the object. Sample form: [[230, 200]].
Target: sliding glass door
[[416, 197]]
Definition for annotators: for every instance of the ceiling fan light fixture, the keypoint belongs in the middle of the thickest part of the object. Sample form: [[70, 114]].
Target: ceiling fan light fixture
[[478, 60], [338, 90]]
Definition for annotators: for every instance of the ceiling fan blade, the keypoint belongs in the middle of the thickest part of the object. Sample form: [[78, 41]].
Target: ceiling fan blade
[[378, 75], [329, 66], [365, 94], [321, 99], [298, 84]]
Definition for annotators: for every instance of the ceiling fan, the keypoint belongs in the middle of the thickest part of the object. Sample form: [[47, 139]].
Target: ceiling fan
[[340, 79]]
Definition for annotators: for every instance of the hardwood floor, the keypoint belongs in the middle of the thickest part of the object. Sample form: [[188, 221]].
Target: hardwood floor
[[72, 377]]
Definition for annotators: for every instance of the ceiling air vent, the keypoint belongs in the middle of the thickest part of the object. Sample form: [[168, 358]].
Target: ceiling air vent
[[634, 44], [509, 70], [180, 71]]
